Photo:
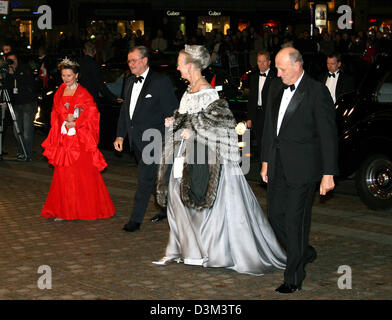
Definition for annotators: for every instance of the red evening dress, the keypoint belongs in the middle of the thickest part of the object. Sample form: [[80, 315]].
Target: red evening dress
[[78, 191]]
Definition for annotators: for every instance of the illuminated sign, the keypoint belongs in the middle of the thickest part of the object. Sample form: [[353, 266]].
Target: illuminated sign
[[3, 7], [320, 15], [214, 13], [172, 13], [15, 4], [21, 10]]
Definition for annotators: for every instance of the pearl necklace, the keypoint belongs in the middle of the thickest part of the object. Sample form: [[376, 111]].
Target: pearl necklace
[[72, 86]]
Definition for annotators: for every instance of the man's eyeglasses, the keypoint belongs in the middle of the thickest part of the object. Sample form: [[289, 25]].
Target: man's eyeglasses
[[133, 60]]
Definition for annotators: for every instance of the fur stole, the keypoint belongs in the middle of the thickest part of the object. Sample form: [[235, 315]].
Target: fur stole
[[213, 130]]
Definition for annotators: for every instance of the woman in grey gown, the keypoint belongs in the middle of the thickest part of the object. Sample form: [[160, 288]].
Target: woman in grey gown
[[215, 219]]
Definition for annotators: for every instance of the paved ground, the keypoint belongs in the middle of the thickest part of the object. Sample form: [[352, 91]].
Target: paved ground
[[97, 260]]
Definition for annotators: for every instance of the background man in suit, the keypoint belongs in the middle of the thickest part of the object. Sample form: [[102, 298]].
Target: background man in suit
[[148, 99], [259, 84], [91, 77], [299, 148], [337, 81]]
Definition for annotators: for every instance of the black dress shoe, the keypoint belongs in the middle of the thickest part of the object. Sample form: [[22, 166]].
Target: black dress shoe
[[288, 288], [131, 226], [158, 217]]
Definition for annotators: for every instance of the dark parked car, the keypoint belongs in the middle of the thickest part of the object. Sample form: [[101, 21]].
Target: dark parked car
[[45, 94], [365, 135]]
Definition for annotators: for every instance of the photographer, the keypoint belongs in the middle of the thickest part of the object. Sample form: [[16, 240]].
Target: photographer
[[20, 84]]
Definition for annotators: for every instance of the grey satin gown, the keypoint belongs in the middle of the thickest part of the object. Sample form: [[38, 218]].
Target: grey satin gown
[[234, 233]]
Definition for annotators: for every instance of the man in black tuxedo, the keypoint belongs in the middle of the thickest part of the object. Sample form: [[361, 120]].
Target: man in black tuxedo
[[337, 81], [91, 77], [148, 99], [299, 149], [259, 84]]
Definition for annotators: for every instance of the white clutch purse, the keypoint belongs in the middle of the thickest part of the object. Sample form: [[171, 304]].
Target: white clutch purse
[[178, 163]]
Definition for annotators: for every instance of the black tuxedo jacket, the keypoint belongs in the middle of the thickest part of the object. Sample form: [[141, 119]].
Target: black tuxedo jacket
[[345, 83], [307, 139], [254, 94], [155, 102], [91, 79]]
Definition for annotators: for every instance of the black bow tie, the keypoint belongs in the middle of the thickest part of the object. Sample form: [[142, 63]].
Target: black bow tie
[[137, 79], [291, 86], [263, 75], [333, 74]]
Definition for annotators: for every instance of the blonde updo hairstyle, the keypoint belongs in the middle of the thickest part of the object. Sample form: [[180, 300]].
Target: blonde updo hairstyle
[[197, 55]]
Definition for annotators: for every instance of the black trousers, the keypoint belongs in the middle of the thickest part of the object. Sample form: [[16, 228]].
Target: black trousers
[[258, 127], [289, 211], [147, 174]]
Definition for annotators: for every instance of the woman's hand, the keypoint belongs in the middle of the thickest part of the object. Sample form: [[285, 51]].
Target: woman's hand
[[70, 124], [169, 121], [186, 133], [70, 118]]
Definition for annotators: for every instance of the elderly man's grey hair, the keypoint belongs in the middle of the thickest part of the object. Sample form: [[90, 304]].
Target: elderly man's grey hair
[[144, 52], [295, 56], [197, 55]]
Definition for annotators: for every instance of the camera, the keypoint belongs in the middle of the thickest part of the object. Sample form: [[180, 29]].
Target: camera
[[4, 65]]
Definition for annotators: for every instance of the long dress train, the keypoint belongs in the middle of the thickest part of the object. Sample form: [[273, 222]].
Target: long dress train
[[233, 233]]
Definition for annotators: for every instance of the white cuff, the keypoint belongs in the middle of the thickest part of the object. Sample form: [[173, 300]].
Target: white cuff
[[63, 128], [70, 132]]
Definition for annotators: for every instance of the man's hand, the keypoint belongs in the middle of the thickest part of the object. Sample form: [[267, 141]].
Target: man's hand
[[118, 144], [327, 184], [263, 172], [249, 124]]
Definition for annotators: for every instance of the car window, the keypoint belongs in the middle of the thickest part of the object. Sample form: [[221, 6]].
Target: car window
[[384, 93], [111, 75]]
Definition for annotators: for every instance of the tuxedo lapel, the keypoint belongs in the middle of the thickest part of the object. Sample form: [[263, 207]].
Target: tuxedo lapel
[[264, 92], [294, 103], [276, 104], [339, 85], [128, 92]]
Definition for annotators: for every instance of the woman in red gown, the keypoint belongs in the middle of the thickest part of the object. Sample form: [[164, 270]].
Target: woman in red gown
[[78, 191]]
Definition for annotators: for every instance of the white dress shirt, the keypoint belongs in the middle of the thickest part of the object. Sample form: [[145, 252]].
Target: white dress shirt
[[261, 85], [331, 84], [286, 98], [137, 87]]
